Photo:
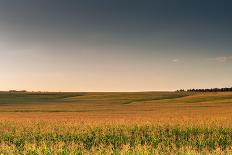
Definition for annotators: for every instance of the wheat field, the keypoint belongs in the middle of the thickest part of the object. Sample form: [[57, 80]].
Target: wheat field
[[116, 123]]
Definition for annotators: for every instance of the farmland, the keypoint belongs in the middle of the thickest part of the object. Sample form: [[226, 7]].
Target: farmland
[[116, 123]]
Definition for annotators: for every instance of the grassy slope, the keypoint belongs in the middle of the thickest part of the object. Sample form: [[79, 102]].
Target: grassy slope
[[119, 123], [161, 107], [97, 101], [20, 98], [26, 100], [7, 98], [124, 98]]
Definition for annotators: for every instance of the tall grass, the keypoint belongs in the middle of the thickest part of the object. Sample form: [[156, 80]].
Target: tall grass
[[116, 123], [65, 138]]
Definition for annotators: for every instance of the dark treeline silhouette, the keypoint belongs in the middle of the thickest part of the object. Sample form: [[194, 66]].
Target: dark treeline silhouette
[[207, 90], [17, 91]]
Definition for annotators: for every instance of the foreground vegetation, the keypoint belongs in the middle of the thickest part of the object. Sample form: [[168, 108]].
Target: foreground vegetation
[[47, 138], [116, 123]]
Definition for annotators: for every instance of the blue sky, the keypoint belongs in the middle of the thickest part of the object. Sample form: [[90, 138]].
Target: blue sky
[[115, 45]]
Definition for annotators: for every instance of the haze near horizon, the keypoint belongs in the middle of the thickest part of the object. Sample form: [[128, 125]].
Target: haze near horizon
[[115, 45]]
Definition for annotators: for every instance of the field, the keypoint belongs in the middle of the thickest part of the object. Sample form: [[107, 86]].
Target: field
[[116, 123]]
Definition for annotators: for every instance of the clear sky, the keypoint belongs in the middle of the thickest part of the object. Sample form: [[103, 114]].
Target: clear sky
[[115, 45]]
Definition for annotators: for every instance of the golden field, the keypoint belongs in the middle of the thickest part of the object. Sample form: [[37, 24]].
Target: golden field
[[116, 123]]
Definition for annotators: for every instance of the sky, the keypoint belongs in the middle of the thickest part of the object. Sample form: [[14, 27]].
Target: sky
[[115, 45]]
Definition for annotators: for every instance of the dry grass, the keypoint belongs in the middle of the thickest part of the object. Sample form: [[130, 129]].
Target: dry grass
[[77, 115], [110, 107]]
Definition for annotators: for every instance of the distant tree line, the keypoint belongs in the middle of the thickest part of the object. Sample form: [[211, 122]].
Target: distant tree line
[[206, 90], [17, 91]]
